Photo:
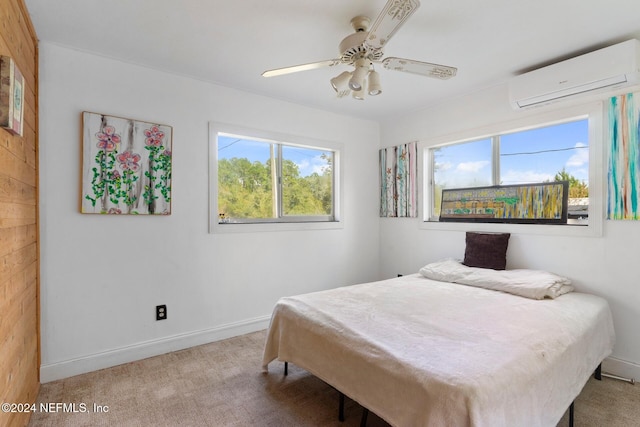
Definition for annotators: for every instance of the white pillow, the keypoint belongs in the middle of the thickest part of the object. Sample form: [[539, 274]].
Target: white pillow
[[535, 284]]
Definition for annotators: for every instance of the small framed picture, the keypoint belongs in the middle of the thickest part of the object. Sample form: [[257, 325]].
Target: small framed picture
[[11, 96]]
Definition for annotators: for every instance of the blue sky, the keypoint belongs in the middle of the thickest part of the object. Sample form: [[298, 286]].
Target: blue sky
[[308, 160], [528, 156]]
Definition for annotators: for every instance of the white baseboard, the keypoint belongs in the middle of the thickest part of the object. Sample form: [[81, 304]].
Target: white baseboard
[[621, 368], [107, 359]]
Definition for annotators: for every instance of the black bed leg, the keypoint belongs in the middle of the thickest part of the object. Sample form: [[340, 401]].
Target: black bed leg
[[341, 406], [286, 368], [598, 373], [363, 420], [571, 414]]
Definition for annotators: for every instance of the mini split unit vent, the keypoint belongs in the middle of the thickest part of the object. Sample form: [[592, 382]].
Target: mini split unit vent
[[610, 68]]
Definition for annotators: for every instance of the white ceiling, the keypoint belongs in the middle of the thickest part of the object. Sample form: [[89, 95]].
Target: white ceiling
[[232, 42]]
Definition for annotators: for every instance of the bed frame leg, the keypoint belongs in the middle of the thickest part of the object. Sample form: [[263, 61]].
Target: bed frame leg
[[598, 373], [571, 414], [363, 420], [340, 406], [286, 368]]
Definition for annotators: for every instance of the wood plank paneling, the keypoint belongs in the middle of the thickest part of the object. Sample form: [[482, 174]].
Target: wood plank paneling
[[16, 238], [19, 246], [15, 167], [15, 191]]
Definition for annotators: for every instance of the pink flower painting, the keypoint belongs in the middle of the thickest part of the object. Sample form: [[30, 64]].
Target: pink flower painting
[[108, 138], [126, 166], [129, 161], [154, 136]]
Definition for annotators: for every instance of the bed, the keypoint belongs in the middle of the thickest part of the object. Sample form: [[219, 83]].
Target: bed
[[423, 352]]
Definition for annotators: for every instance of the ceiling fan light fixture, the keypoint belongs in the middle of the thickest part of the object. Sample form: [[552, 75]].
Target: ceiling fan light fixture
[[359, 74], [340, 83], [374, 88], [358, 94]]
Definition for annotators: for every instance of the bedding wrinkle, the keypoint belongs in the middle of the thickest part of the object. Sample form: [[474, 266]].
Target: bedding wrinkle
[[420, 352]]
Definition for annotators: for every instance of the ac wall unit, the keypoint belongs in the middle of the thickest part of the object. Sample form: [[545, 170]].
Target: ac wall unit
[[605, 69]]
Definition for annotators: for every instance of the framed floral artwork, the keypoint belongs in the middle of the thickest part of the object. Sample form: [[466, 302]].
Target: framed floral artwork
[[126, 166], [11, 96]]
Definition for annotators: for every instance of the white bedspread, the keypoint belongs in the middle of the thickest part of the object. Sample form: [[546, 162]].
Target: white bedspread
[[419, 352]]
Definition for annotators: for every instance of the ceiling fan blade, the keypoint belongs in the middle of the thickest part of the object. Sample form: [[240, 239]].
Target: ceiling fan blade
[[394, 14], [417, 67], [302, 67]]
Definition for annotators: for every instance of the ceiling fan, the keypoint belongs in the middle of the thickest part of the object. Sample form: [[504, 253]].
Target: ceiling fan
[[364, 48]]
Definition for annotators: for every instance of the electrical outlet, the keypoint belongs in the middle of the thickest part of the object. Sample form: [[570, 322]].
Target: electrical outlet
[[161, 312]]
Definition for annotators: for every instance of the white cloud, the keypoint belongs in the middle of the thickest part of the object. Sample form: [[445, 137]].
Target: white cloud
[[522, 177], [303, 165], [444, 166], [580, 158], [319, 169], [465, 174], [472, 166], [310, 166]]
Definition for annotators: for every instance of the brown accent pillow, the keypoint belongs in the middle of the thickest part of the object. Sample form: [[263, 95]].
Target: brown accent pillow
[[486, 250]]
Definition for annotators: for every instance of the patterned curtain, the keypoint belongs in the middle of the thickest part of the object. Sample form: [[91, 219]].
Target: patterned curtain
[[623, 199], [398, 191]]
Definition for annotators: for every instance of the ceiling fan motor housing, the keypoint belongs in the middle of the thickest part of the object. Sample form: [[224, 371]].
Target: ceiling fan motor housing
[[353, 47]]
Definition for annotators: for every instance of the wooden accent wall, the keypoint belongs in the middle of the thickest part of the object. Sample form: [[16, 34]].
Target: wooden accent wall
[[19, 251]]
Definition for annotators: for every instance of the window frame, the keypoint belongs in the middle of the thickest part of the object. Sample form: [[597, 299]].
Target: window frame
[[288, 222], [593, 112]]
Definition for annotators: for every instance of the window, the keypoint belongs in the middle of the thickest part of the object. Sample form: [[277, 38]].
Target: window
[[260, 180], [558, 152]]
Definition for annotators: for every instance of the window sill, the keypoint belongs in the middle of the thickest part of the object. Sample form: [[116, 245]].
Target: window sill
[[229, 227], [577, 230]]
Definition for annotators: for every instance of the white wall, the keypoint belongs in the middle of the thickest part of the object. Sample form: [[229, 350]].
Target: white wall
[[102, 276], [605, 265]]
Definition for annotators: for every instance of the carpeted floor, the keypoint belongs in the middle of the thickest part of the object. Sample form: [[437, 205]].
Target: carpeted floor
[[221, 384]]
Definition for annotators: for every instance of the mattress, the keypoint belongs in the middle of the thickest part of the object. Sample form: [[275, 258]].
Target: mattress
[[420, 352]]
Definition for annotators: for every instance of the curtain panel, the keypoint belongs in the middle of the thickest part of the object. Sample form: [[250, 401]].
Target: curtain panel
[[398, 191]]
